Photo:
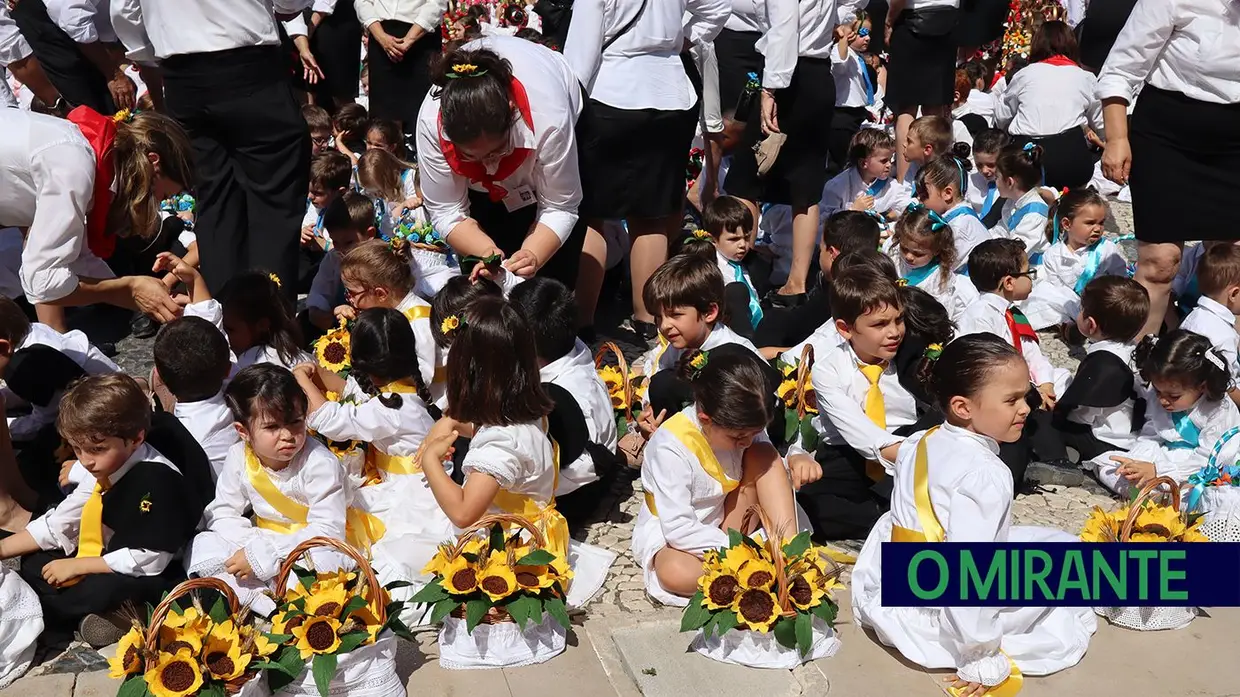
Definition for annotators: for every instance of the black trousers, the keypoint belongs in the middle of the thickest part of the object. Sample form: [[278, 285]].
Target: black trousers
[[1081, 438], [337, 45], [252, 153], [70, 71], [737, 315], [95, 594]]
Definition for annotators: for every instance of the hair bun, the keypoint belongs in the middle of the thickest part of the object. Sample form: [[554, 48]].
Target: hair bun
[[961, 151]]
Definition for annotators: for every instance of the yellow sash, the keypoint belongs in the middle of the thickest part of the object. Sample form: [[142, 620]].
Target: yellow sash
[[377, 461], [550, 522], [932, 531], [417, 312], [692, 438], [361, 528]]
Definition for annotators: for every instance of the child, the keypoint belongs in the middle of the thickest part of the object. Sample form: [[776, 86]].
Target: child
[[928, 137], [704, 468], [1187, 413], [349, 131], [854, 88], [349, 220], [192, 361], [983, 191], [826, 337], [21, 624], [38, 363], [258, 320], [866, 184], [1018, 179], [728, 220], [567, 372], [928, 251], [1078, 254], [495, 392], [1218, 280], [1098, 411], [320, 124], [383, 134], [330, 174], [92, 553], [390, 182], [942, 185], [377, 274], [951, 486], [451, 302]]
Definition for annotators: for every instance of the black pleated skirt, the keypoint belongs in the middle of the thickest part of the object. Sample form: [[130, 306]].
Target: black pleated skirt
[[737, 58], [1185, 167], [397, 89]]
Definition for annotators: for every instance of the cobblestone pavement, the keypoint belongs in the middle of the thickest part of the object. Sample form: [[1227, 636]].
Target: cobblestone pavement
[[623, 593]]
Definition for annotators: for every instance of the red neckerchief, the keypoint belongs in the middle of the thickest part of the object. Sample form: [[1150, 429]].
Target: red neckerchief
[[100, 131], [1058, 59], [477, 172], [998, 77], [1019, 325]]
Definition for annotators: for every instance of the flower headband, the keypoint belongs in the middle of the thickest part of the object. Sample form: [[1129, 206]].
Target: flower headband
[[901, 282], [460, 70], [450, 324]]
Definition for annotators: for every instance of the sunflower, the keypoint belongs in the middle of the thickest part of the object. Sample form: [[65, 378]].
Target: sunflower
[[174, 675], [496, 578], [757, 609], [253, 641], [282, 623], [719, 589], [806, 590], [1146, 537], [614, 381], [787, 392], [327, 602], [1163, 521], [439, 562], [1102, 526], [317, 635], [369, 620], [174, 639], [534, 578], [738, 555], [757, 573], [222, 655], [1192, 534], [449, 324], [128, 658], [460, 577], [332, 350]]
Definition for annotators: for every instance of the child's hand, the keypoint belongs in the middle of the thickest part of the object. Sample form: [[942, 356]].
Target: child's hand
[[1047, 390], [804, 470], [966, 688], [437, 448], [62, 572], [1136, 471], [864, 202], [345, 312], [238, 565], [411, 203], [65, 468], [307, 235], [171, 263], [307, 372], [648, 423]]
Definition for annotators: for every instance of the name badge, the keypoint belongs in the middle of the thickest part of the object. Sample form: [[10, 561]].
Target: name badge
[[519, 198]]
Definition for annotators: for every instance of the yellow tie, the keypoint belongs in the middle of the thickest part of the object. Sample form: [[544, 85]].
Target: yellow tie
[[90, 533], [876, 410]]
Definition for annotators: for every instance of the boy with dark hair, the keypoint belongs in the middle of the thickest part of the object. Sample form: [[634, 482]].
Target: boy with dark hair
[[348, 220], [330, 176], [320, 124], [728, 221], [583, 423], [983, 193], [1214, 317], [193, 361], [1098, 412]]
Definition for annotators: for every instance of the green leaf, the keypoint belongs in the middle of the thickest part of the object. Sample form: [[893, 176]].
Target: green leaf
[[278, 638], [555, 608], [355, 603], [710, 624], [791, 424], [475, 610], [394, 585], [536, 611], [298, 605], [432, 592], [219, 611], [809, 434], [442, 609], [696, 615], [786, 633], [797, 546], [176, 608], [805, 633], [351, 641], [826, 611], [497, 537], [399, 629], [324, 670], [622, 425], [133, 687], [521, 607], [292, 665], [150, 610], [539, 557], [307, 578], [734, 538], [211, 688], [753, 543], [725, 622]]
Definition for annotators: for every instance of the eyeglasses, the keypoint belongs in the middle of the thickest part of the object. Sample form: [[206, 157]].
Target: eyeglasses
[[352, 297], [1031, 273]]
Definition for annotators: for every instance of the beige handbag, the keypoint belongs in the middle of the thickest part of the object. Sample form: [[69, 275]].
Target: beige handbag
[[767, 151]]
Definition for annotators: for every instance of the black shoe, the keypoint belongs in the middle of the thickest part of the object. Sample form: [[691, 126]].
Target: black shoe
[[107, 348], [645, 330], [1055, 473], [143, 327], [778, 300]]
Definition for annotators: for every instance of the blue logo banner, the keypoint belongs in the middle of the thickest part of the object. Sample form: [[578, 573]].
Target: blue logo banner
[[1080, 574]]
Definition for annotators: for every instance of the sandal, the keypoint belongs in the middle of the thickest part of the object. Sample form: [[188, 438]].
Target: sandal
[[632, 446]]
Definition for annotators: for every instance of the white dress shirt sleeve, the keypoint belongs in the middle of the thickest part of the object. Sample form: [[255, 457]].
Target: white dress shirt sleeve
[[131, 30], [328, 502], [781, 43], [64, 177], [229, 511], [846, 412], [430, 14], [557, 181], [833, 194], [323, 6], [76, 18], [1137, 49], [137, 562], [59, 527], [583, 47], [707, 19], [368, 421], [425, 348], [446, 193], [367, 12], [289, 7], [1040, 369], [707, 62], [667, 476], [297, 27], [1007, 105]]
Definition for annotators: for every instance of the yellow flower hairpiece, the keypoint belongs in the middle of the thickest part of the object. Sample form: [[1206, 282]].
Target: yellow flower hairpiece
[[275, 279], [701, 234], [699, 361], [933, 351], [466, 70], [449, 324], [124, 116], [901, 282]]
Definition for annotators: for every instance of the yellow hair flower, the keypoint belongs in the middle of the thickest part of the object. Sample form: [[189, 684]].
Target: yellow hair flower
[[275, 279], [701, 234], [122, 116], [699, 361], [464, 68], [449, 324], [902, 282]]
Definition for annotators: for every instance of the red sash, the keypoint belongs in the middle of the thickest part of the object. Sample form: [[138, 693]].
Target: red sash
[[99, 131], [477, 172], [1058, 59]]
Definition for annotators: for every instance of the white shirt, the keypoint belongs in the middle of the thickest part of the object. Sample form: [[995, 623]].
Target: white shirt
[[422, 335], [1063, 267], [393, 430], [13, 46], [210, 421], [666, 356], [849, 73], [1186, 46], [156, 29], [967, 231], [49, 185], [213, 312], [1030, 228], [85, 21], [926, 4], [728, 271], [60, 528], [839, 193], [550, 172], [841, 388], [982, 104], [747, 15], [1159, 436], [1110, 424], [799, 28], [77, 347], [955, 294], [641, 69], [424, 13], [987, 315], [825, 339], [575, 372], [1045, 99], [979, 191], [1215, 322], [519, 457]]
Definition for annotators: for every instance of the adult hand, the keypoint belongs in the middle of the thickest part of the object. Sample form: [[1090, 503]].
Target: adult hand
[[523, 263], [483, 271], [124, 92], [770, 115], [309, 65], [395, 52], [1117, 160], [151, 297]]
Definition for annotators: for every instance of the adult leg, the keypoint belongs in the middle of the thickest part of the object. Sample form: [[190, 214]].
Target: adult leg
[[17, 499], [74, 75], [1157, 264], [904, 119], [221, 214], [590, 273], [804, 242], [648, 241]]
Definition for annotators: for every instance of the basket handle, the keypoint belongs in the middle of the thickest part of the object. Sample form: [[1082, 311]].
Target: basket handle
[[376, 589], [774, 546], [623, 365], [160, 614], [486, 521], [1147, 492], [804, 368]]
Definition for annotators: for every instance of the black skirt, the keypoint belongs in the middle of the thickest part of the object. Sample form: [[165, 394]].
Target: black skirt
[[804, 111], [397, 89], [1185, 167], [1067, 160], [337, 46], [922, 68], [980, 22], [737, 57]]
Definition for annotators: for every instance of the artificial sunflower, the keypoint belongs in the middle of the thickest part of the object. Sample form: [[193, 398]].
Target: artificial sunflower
[[222, 655], [787, 392], [174, 639], [1146, 537], [756, 573], [738, 555], [317, 635], [369, 621], [806, 590], [1163, 521], [332, 349], [757, 609], [174, 675], [255, 642], [496, 578], [1192, 534], [460, 577], [534, 578], [1102, 526], [449, 324], [720, 587], [286, 622], [128, 658], [327, 602]]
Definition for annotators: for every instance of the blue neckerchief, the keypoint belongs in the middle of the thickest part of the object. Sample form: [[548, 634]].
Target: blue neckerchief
[[877, 186], [318, 230], [755, 308], [961, 210], [1092, 263], [1190, 435], [869, 86], [992, 193], [1035, 259], [1038, 206], [1191, 295], [921, 273]]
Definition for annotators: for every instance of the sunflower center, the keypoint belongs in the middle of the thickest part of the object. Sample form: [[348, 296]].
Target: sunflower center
[[801, 591], [1155, 529], [328, 610], [527, 579], [177, 645], [495, 585], [756, 606], [131, 656], [335, 352], [220, 663], [177, 676], [722, 590], [465, 578], [320, 636], [760, 579], [295, 622]]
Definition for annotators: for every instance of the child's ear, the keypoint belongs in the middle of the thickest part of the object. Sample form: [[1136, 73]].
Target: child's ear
[[242, 431], [712, 314], [6, 348], [371, 232], [959, 407], [1091, 326], [1007, 283], [140, 438], [844, 328]]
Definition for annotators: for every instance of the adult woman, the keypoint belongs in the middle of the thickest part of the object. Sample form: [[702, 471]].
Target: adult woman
[[636, 134], [1051, 102], [922, 68], [1183, 146], [336, 44], [404, 36], [498, 156], [75, 202]]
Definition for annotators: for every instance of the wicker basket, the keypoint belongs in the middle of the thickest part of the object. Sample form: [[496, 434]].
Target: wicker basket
[[631, 444], [1148, 619], [497, 641], [367, 671], [806, 398]]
